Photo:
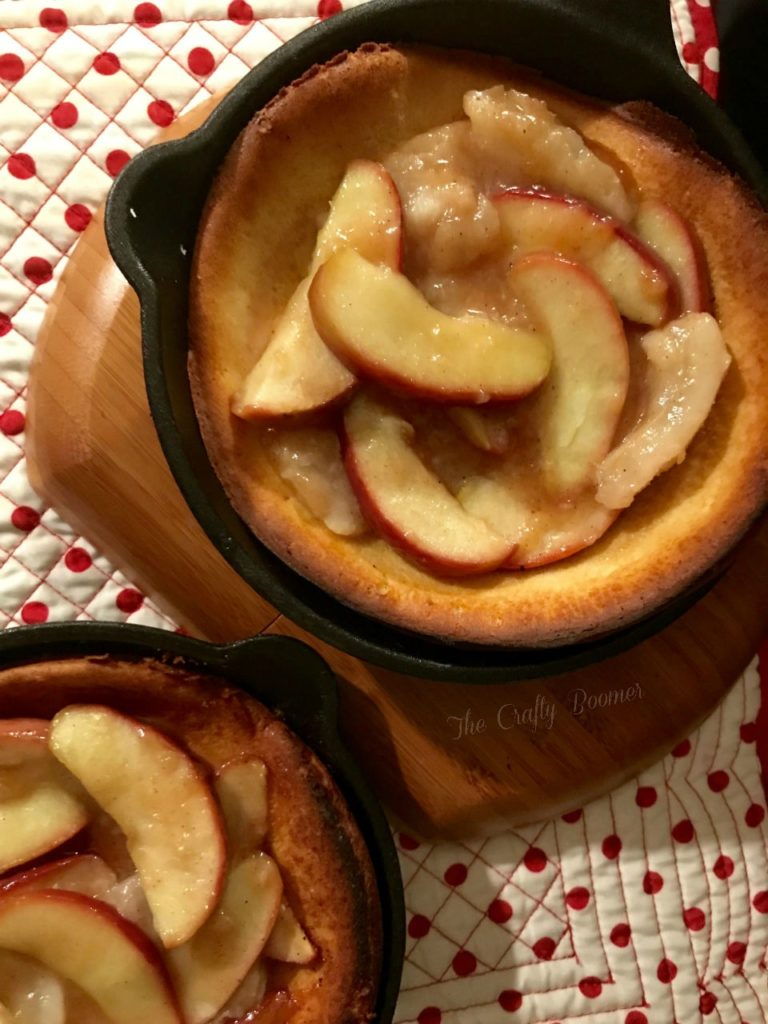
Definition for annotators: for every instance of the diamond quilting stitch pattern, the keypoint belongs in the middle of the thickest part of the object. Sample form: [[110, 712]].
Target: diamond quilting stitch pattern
[[659, 929], [79, 95], [650, 905]]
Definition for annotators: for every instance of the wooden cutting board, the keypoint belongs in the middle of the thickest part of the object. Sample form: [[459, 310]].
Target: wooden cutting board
[[447, 758]]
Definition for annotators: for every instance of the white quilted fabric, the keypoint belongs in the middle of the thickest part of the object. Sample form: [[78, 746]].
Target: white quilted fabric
[[650, 905]]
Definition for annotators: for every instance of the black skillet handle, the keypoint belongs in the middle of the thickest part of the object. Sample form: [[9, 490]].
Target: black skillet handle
[[293, 680], [156, 188]]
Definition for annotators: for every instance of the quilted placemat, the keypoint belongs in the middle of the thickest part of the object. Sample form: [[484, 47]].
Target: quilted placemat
[[650, 905]]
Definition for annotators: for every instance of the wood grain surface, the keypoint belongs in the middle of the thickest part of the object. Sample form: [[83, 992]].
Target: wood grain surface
[[447, 758]]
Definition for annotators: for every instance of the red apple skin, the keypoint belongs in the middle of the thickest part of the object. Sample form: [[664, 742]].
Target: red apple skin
[[557, 556], [399, 252], [409, 389], [616, 370], [385, 528], [539, 563], [104, 910], [706, 300], [522, 192], [42, 876], [541, 193], [72, 847], [171, 741], [394, 256], [672, 309], [391, 254], [22, 738], [399, 255], [316, 416], [33, 729], [700, 299], [134, 934], [24, 746], [673, 293], [364, 351]]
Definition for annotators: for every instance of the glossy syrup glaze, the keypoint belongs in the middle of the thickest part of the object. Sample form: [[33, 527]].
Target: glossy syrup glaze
[[464, 227]]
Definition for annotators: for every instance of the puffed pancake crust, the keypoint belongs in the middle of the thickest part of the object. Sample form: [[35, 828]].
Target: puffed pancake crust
[[254, 245], [326, 870]]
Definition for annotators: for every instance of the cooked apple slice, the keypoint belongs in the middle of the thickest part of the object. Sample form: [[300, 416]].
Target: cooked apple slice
[[106, 836], [406, 502], [377, 321], [161, 801], [296, 372], [30, 992], [687, 361], [364, 215], [208, 969], [288, 941], [86, 942], [309, 460], [21, 738], [640, 285], [41, 805], [522, 136], [80, 1008], [534, 221], [542, 531], [486, 429], [447, 219], [127, 897], [560, 532], [85, 873], [243, 1004], [241, 788], [643, 286], [578, 409], [664, 231]]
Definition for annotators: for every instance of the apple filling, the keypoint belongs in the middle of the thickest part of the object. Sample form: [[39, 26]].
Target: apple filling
[[501, 345], [166, 906]]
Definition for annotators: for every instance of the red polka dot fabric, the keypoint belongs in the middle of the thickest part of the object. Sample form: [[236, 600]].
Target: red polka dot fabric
[[651, 910], [81, 92], [646, 907]]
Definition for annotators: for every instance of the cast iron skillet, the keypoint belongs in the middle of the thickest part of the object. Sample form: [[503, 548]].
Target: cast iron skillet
[[286, 676], [618, 51]]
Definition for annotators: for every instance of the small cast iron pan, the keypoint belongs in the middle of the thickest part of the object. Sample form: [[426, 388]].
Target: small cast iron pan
[[617, 51], [287, 677]]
